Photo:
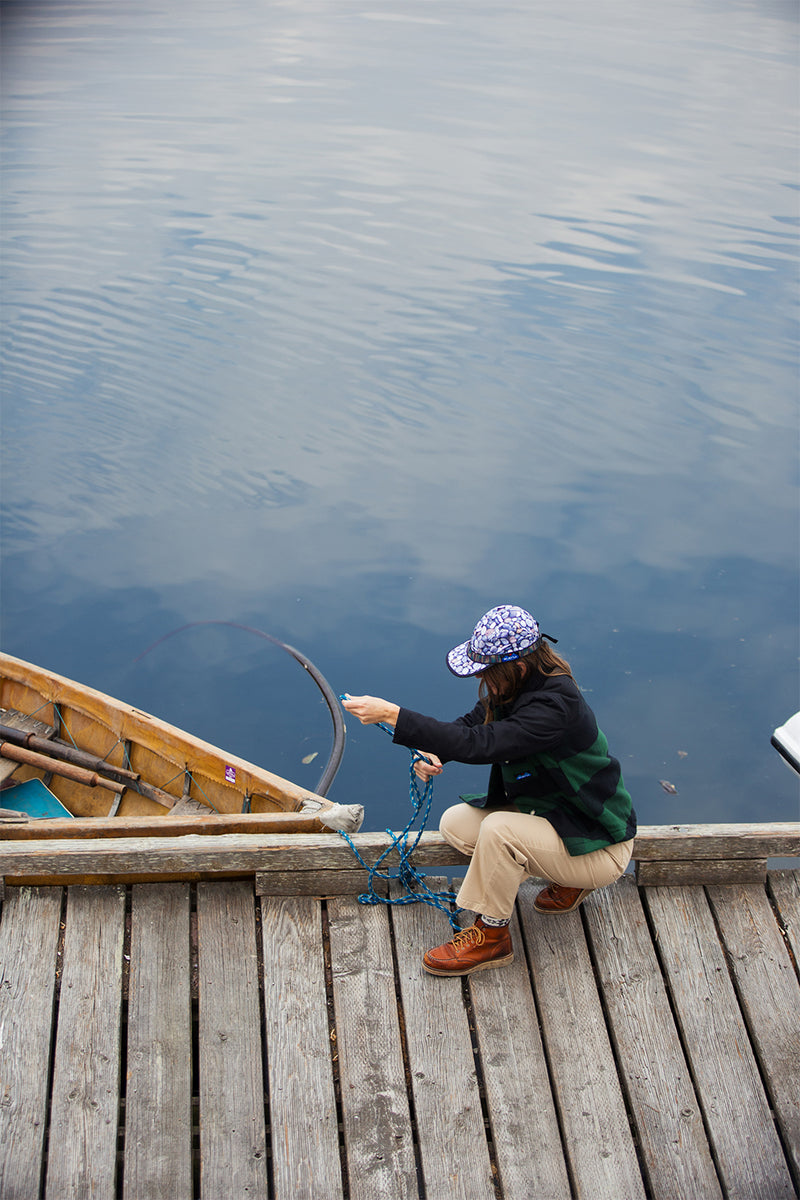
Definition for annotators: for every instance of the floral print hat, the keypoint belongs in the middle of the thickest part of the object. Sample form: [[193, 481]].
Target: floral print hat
[[503, 634]]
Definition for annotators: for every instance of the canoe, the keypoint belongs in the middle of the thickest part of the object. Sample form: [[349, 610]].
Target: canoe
[[786, 740], [75, 763]]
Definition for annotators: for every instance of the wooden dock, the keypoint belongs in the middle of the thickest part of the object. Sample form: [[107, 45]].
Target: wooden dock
[[199, 1039]]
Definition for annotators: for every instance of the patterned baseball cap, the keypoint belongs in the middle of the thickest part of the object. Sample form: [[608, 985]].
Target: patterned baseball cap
[[503, 634]]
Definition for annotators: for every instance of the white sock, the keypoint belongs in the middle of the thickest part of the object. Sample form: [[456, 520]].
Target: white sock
[[495, 922]]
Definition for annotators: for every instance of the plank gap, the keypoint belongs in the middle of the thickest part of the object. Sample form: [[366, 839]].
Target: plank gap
[[698, 1091], [546, 1052], [194, 1005], [333, 1044], [616, 1051], [472, 1025], [262, 1020], [62, 930], [783, 927], [752, 1034], [123, 1048], [401, 1021]]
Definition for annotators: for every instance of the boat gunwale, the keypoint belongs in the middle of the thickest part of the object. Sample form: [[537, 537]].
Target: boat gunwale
[[157, 737]]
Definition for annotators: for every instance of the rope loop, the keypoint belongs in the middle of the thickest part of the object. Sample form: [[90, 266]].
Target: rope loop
[[405, 843]]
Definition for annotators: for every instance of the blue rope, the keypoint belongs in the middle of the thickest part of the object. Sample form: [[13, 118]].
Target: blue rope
[[407, 874]]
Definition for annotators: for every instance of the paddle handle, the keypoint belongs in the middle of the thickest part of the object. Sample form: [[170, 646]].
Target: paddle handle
[[66, 770], [79, 758]]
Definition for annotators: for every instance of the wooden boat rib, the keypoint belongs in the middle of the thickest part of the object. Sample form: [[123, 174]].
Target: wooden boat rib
[[150, 778]]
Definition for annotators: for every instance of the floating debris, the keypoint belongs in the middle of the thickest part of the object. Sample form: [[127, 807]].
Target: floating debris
[[668, 787], [682, 753], [309, 758]]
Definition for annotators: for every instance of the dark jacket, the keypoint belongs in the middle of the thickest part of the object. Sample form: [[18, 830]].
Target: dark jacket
[[548, 757]]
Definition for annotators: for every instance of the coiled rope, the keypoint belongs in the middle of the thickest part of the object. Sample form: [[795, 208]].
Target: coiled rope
[[407, 875]]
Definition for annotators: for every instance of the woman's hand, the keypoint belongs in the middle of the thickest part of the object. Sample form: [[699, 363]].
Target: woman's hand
[[426, 770], [371, 709]]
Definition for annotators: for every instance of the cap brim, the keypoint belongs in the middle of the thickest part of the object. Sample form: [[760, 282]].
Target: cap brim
[[461, 664]]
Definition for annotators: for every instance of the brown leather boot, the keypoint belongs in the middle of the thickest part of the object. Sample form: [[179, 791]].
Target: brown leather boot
[[557, 899], [473, 949]]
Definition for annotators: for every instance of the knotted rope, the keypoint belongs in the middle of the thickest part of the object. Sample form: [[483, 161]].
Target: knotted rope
[[416, 889]]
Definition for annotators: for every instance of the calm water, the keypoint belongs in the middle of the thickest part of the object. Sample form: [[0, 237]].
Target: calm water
[[348, 322]]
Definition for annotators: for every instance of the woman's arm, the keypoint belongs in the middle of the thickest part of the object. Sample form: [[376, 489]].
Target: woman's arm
[[371, 709], [530, 728]]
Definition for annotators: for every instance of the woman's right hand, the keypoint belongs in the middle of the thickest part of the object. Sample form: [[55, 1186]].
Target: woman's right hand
[[426, 770]]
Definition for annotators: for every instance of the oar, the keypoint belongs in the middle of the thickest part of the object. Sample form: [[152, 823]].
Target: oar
[[66, 770], [82, 758], [71, 754]]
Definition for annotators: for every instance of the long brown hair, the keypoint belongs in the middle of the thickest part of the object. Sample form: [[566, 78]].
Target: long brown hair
[[502, 682]]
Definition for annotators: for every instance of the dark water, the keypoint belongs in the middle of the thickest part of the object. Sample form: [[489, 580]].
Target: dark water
[[349, 322]]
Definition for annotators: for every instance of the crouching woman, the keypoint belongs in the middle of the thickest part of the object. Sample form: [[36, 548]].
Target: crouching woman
[[556, 807]]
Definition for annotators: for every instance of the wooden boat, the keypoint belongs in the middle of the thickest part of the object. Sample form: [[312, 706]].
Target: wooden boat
[[75, 763]]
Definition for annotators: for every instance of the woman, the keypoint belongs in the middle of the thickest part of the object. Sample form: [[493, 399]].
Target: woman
[[556, 806]]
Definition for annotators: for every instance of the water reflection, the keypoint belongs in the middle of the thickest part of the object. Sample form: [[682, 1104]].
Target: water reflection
[[350, 323]]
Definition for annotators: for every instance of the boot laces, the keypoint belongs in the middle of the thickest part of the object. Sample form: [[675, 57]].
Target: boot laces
[[466, 937]]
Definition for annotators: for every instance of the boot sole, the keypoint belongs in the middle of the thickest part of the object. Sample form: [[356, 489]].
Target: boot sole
[[485, 966], [557, 912]]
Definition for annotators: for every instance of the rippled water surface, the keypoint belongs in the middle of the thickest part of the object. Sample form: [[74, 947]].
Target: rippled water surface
[[348, 322]]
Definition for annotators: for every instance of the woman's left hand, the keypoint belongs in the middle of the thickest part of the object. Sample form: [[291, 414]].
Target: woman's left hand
[[371, 709]]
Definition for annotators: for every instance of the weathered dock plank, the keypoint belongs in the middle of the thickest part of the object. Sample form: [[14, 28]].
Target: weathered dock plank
[[519, 1097], [309, 858], [303, 1118], [158, 1102], [600, 1148], [29, 935], [375, 1106], [447, 1104], [643, 1045], [82, 1154], [784, 887], [769, 995], [233, 1157], [746, 1146], [669, 1127]]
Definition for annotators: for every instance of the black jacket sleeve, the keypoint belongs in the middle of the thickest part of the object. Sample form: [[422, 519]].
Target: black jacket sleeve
[[536, 722]]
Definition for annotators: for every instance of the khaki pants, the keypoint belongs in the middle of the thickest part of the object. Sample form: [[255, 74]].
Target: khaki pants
[[506, 846]]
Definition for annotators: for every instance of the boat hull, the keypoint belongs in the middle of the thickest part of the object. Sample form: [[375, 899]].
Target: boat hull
[[223, 791]]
